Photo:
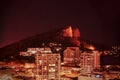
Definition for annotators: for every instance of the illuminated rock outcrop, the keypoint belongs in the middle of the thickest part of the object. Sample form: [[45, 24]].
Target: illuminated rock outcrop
[[72, 33], [68, 32]]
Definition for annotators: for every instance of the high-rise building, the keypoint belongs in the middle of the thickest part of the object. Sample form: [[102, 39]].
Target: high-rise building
[[90, 61], [96, 55], [47, 66], [72, 55]]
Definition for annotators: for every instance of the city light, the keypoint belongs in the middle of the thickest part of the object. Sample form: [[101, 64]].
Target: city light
[[56, 61]]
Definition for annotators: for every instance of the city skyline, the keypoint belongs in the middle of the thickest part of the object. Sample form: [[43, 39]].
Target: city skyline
[[98, 21], [55, 61]]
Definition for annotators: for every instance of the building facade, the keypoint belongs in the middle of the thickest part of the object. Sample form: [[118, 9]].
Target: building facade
[[90, 61], [47, 66], [72, 55]]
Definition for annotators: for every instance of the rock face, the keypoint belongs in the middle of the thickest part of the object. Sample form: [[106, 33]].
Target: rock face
[[68, 32], [72, 33]]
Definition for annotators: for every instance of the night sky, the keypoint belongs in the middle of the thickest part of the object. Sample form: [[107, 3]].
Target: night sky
[[98, 20]]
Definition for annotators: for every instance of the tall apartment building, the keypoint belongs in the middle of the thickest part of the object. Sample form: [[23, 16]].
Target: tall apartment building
[[72, 55], [90, 61], [47, 66], [96, 55]]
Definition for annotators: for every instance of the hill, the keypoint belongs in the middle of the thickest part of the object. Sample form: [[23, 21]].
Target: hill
[[67, 36]]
